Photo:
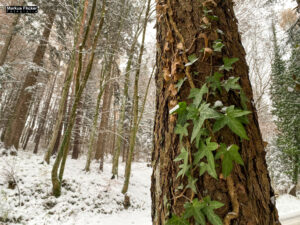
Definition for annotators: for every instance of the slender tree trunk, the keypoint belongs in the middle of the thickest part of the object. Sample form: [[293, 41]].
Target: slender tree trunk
[[43, 116], [18, 119], [63, 151], [180, 32], [77, 135], [31, 124], [120, 136], [8, 39], [55, 139], [8, 110], [102, 136], [95, 122], [135, 105]]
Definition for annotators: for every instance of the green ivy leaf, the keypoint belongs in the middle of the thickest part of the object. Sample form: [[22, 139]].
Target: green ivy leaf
[[237, 127], [216, 204], [176, 220], [192, 183], [228, 62], [208, 113], [184, 155], [232, 120], [235, 155], [205, 113], [194, 210], [181, 130], [218, 45], [232, 112], [227, 165], [197, 127], [244, 99], [211, 216], [231, 84], [180, 83], [220, 123], [181, 111], [192, 59], [213, 17], [230, 155], [192, 112], [215, 81], [209, 210], [205, 150], [197, 94]]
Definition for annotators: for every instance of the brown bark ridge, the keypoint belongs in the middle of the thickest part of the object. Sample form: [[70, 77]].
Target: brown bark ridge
[[9, 37], [18, 119], [42, 120], [102, 137], [180, 32], [77, 135]]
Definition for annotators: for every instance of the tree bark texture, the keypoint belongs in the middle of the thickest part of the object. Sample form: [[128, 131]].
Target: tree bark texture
[[180, 32], [9, 38], [18, 119], [42, 120], [102, 136]]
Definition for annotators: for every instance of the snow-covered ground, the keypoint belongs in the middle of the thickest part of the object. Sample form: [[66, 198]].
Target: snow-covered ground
[[288, 206], [87, 198]]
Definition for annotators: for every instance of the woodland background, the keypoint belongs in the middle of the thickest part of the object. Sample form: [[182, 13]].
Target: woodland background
[[111, 131]]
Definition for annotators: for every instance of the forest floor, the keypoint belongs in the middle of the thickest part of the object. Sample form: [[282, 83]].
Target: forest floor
[[87, 198]]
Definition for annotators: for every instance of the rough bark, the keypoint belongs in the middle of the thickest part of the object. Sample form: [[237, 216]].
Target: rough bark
[[77, 135], [42, 120], [31, 126], [18, 119], [7, 110], [179, 25], [95, 122], [9, 37], [102, 136], [55, 139]]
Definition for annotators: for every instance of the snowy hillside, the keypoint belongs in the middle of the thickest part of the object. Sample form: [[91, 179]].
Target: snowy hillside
[[87, 198]]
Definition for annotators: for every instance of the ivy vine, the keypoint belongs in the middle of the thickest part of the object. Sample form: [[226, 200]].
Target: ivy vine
[[199, 149]]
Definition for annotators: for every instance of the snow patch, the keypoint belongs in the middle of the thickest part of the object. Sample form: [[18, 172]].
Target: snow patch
[[288, 206], [87, 198]]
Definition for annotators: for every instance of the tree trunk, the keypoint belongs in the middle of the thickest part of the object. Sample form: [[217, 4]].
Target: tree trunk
[[9, 38], [95, 121], [120, 136], [43, 116], [7, 110], [77, 135], [135, 105], [18, 119], [183, 30], [64, 149], [35, 108], [102, 136], [55, 139]]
